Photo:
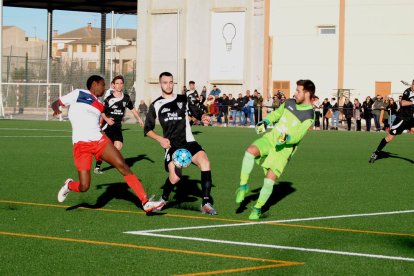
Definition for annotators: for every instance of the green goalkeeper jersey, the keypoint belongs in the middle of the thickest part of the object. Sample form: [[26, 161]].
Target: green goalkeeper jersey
[[292, 119]]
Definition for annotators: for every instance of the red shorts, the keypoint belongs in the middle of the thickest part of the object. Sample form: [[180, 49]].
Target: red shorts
[[83, 151]]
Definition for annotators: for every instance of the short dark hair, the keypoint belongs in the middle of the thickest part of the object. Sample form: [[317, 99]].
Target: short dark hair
[[119, 77], [191, 82], [92, 79], [308, 85], [165, 74]]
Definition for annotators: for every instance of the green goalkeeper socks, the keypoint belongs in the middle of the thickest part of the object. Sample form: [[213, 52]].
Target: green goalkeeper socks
[[247, 167], [265, 192]]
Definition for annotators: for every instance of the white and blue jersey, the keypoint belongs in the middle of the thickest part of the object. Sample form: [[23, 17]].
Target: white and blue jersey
[[84, 114]]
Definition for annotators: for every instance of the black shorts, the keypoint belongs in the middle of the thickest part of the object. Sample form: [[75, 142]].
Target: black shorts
[[114, 133], [192, 147], [401, 124]]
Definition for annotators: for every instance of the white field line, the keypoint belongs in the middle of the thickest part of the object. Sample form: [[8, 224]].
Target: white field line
[[35, 129], [355, 254], [273, 221], [24, 136], [152, 233]]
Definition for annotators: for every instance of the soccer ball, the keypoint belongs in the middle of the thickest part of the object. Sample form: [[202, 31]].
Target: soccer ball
[[182, 158]]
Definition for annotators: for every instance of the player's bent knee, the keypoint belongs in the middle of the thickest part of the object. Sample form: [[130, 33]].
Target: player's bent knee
[[252, 149]]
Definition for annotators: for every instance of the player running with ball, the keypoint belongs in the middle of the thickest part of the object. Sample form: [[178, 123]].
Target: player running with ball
[[172, 113], [84, 114], [274, 149]]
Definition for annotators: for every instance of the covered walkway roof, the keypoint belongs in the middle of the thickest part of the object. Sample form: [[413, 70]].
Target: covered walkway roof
[[100, 6]]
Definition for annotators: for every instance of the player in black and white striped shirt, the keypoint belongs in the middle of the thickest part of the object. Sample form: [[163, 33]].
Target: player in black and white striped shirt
[[404, 121], [114, 112], [172, 112]]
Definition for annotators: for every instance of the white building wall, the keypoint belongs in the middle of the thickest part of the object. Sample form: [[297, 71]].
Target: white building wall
[[157, 44], [379, 35], [378, 44], [299, 52]]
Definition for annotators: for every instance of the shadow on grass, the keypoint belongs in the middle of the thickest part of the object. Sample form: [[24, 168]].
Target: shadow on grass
[[113, 191], [385, 154], [280, 191], [131, 161], [187, 191]]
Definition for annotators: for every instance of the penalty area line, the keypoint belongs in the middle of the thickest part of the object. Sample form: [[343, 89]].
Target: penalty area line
[[273, 221], [273, 246]]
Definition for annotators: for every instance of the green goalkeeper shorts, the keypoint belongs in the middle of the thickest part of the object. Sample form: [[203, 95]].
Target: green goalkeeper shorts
[[272, 157]]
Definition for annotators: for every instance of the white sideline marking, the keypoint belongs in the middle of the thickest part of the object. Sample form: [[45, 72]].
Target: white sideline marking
[[397, 258], [274, 221], [34, 129]]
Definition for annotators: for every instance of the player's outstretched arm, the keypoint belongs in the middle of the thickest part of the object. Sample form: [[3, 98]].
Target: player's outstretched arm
[[136, 115]]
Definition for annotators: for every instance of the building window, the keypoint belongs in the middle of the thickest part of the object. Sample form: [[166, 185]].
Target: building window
[[283, 86], [91, 65], [74, 48], [327, 30], [93, 48], [84, 48]]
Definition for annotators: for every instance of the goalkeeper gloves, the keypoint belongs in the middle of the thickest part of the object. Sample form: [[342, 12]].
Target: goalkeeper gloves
[[261, 126], [283, 137]]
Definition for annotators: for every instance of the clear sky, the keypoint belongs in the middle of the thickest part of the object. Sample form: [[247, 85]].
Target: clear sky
[[34, 21]]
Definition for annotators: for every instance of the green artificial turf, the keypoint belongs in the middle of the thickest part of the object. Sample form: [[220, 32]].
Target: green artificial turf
[[328, 176]]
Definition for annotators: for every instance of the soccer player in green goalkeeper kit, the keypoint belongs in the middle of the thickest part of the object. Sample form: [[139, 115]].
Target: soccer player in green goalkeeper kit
[[274, 149]]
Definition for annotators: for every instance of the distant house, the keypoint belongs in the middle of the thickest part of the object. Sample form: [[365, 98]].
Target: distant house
[[16, 44], [84, 45]]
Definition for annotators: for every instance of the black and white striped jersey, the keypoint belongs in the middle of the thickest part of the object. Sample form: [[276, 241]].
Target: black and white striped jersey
[[172, 114], [115, 107], [407, 111]]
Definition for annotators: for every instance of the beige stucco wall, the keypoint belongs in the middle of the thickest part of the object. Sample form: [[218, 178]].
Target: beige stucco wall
[[379, 35], [188, 58]]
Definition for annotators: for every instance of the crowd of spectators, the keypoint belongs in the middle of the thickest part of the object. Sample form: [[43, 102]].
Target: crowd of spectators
[[381, 110], [218, 108], [246, 109]]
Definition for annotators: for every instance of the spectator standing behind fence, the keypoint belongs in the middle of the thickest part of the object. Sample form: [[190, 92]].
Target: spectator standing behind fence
[[142, 110], [276, 102], [377, 106], [392, 110], [258, 102], [184, 90], [335, 114], [348, 109], [239, 107], [326, 113], [367, 111], [246, 110], [399, 104], [223, 103], [316, 106], [233, 109], [268, 105], [385, 115], [357, 114], [204, 92], [215, 91], [250, 109]]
